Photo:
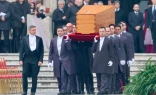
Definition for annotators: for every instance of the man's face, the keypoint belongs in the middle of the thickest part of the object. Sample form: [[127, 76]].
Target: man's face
[[109, 2], [38, 5], [112, 30], [124, 26], [117, 5], [61, 5], [87, 1], [65, 30], [32, 31], [78, 2], [108, 32], [102, 32], [154, 2], [69, 27], [136, 7], [60, 32], [21, 0], [117, 30]]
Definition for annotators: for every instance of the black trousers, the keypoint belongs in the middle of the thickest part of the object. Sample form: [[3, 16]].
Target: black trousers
[[34, 68], [63, 79], [153, 31], [104, 82], [5, 47], [86, 79], [127, 74], [72, 86], [139, 42]]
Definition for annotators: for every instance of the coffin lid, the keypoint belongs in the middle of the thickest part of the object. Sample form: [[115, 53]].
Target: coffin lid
[[93, 9]]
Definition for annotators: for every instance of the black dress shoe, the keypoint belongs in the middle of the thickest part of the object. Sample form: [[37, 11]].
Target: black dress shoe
[[61, 93], [91, 92], [24, 93], [32, 93]]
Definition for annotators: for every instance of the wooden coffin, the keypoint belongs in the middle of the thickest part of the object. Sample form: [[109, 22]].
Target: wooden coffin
[[91, 17]]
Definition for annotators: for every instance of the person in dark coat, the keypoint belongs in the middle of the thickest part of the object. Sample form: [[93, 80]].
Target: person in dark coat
[[119, 13], [58, 55], [31, 58], [5, 26], [118, 60], [71, 13], [59, 16], [129, 36], [136, 22], [19, 12], [69, 4], [103, 61], [151, 22], [126, 56]]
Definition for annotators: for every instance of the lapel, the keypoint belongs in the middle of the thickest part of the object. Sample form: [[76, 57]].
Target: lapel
[[37, 42], [62, 46], [55, 43], [27, 41]]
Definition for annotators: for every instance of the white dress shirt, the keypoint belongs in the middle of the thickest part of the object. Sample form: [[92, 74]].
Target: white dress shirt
[[112, 35], [116, 10], [154, 6], [59, 43], [136, 12], [118, 35], [101, 42], [32, 42], [124, 31]]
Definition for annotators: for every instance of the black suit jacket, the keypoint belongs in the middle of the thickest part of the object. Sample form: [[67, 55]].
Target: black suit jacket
[[135, 20], [71, 14], [117, 51], [129, 36], [25, 52], [119, 16], [101, 58], [57, 18], [64, 55], [149, 18]]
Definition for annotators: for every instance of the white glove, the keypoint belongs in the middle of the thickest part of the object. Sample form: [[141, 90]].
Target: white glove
[[129, 63], [110, 63], [23, 18], [50, 64], [2, 14], [122, 62], [133, 60], [95, 39]]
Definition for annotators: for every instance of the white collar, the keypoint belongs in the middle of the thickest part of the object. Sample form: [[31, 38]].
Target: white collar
[[61, 9], [60, 37], [117, 9], [118, 35], [136, 12], [85, 3], [102, 38], [113, 35], [124, 31], [31, 35]]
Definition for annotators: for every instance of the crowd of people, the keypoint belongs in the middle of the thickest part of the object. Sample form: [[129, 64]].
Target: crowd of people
[[14, 16]]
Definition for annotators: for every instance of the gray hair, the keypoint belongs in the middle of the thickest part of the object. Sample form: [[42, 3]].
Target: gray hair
[[100, 2], [117, 1], [61, 1], [31, 26]]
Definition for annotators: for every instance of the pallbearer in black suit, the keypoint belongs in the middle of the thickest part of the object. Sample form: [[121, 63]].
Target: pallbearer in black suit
[[117, 53], [136, 22], [58, 55], [125, 56], [103, 61], [31, 58], [151, 22], [129, 36]]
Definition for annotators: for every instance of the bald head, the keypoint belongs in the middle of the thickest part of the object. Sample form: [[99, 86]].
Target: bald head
[[136, 7], [79, 2], [69, 27]]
